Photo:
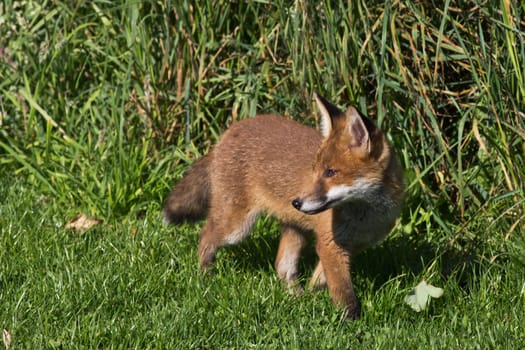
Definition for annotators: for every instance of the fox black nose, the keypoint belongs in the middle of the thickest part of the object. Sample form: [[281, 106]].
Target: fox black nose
[[297, 203]]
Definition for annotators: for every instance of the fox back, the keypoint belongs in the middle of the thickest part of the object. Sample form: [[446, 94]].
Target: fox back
[[343, 183]]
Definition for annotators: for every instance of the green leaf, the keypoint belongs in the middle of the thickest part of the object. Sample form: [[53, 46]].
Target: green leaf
[[419, 297]]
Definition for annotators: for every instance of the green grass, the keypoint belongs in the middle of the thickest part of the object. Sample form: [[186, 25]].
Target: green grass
[[133, 283], [103, 105]]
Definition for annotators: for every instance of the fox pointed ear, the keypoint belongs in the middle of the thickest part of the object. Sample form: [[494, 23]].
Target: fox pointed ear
[[328, 112], [357, 130]]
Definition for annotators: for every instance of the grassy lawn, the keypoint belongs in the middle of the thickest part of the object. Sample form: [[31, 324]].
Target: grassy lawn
[[134, 283], [103, 106]]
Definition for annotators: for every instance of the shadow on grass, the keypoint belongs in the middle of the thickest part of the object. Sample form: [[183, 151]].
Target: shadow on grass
[[399, 254]]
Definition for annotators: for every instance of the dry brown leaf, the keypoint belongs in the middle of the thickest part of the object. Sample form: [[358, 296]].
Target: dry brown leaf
[[81, 223], [6, 337]]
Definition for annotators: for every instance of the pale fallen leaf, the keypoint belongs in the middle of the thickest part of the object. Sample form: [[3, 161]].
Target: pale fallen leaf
[[6, 337], [81, 223], [419, 298]]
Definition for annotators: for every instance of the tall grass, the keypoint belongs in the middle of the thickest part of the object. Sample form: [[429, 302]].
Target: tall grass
[[96, 96]]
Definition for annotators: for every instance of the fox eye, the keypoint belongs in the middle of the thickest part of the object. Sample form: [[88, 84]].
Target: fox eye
[[329, 172]]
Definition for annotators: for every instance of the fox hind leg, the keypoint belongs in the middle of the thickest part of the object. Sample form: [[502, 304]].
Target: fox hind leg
[[228, 228], [208, 246]]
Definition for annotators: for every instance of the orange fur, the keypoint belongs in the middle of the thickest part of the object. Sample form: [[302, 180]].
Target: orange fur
[[344, 184]]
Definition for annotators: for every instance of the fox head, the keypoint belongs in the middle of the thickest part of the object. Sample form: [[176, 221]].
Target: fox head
[[351, 163]]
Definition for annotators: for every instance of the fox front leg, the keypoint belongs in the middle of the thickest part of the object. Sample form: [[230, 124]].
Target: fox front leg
[[287, 261], [318, 280], [335, 262]]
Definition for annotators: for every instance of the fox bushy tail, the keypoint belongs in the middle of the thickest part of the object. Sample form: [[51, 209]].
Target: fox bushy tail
[[189, 199]]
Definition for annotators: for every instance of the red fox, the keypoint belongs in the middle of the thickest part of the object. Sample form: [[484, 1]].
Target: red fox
[[343, 183]]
